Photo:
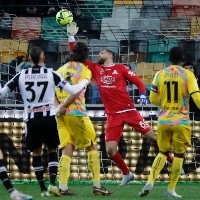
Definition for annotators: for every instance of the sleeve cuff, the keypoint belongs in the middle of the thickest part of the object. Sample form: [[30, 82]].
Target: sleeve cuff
[[71, 38]]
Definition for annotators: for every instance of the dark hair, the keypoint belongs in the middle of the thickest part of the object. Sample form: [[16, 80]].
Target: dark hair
[[111, 52], [175, 55], [35, 53], [79, 53], [187, 63]]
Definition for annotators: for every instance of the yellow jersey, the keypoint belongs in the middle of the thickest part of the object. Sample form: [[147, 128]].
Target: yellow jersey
[[170, 91], [74, 72]]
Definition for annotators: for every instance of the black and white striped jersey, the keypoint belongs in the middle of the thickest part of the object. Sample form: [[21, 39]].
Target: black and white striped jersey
[[37, 87]]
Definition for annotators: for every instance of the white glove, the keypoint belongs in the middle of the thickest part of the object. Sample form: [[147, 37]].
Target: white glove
[[72, 28]]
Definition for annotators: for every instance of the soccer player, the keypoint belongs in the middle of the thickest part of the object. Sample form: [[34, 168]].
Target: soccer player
[[170, 91], [74, 126], [37, 86], [14, 194], [111, 80]]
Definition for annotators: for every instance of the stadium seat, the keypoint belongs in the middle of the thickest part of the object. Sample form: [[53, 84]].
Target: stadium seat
[[158, 57], [50, 49], [89, 28], [144, 29], [51, 30], [96, 9], [10, 49], [157, 2], [146, 71], [195, 27], [98, 45], [5, 27], [159, 11], [175, 28], [161, 46], [26, 28], [128, 12], [114, 29], [187, 2], [128, 2], [185, 12]]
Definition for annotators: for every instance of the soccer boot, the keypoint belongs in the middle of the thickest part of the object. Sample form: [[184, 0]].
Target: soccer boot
[[16, 195], [45, 193], [101, 191], [146, 189], [172, 194], [67, 192], [126, 179], [53, 191]]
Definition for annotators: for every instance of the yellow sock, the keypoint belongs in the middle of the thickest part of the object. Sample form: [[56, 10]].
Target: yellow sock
[[175, 174], [157, 166], [94, 166], [64, 169]]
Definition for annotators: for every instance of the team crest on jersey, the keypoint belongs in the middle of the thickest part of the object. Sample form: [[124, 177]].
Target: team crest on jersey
[[101, 71], [107, 79], [115, 72]]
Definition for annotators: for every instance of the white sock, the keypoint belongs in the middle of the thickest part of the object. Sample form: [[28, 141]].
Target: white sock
[[63, 186], [97, 184]]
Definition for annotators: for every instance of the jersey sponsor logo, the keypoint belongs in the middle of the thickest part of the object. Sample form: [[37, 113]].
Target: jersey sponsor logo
[[107, 80], [38, 109], [131, 73], [115, 72], [143, 124], [101, 71]]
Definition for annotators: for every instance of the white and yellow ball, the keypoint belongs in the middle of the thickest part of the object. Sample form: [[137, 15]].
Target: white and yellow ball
[[64, 17]]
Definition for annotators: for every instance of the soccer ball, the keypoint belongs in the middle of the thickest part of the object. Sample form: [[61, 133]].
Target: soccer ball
[[64, 17]]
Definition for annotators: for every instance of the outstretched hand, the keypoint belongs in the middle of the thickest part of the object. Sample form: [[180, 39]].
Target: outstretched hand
[[72, 28]]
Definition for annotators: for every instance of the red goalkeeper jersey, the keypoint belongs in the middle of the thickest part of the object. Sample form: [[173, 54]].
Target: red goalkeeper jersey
[[111, 82]]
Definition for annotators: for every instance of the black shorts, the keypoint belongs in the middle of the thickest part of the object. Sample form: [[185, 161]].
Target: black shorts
[[42, 130]]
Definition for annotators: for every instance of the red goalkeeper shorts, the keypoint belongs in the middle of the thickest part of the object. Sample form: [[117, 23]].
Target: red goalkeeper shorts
[[115, 124]]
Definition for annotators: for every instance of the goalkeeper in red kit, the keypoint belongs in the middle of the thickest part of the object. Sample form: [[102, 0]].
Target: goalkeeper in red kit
[[111, 80]]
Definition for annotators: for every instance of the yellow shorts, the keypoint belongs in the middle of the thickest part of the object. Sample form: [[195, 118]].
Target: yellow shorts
[[175, 138], [75, 130]]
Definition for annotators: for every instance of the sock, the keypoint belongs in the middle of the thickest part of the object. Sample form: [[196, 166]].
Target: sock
[[64, 171], [4, 178], [175, 174], [119, 161], [53, 167], [39, 171], [157, 166], [94, 166]]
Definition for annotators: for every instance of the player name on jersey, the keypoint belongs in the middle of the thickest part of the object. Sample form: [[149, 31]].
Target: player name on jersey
[[35, 76]]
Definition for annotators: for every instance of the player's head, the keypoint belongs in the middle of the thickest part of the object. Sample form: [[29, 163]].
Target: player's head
[[105, 55], [36, 55], [79, 53], [190, 66], [176, 55]]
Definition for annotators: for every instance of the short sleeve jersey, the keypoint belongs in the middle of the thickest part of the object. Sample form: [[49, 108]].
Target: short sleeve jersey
[[174, 85], [74, 72]]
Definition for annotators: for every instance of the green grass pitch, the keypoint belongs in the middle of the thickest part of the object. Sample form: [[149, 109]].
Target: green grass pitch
[[189, 191]]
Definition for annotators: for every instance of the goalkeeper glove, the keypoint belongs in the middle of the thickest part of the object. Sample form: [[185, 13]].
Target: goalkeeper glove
[[72, 29], [142, 100]]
